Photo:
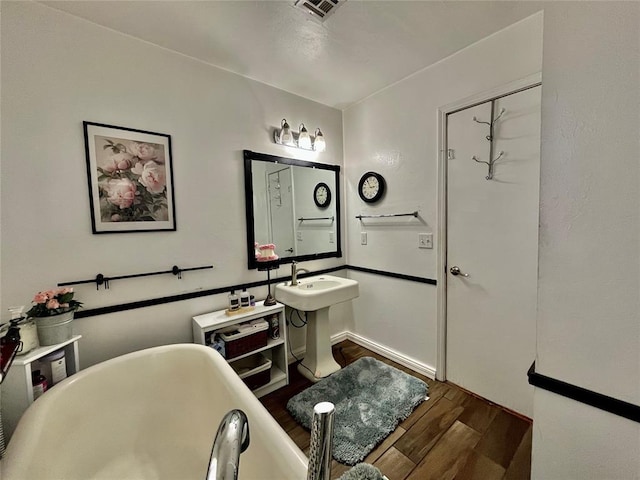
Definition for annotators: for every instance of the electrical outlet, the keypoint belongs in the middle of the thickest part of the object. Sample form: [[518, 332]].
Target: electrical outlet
[[363, 238], [425, 240], [331, 237], [299, 236]]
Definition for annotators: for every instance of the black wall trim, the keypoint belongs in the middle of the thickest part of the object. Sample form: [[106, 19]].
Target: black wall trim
[[188, 296], [401, 276], [621, 408], [216, 291]]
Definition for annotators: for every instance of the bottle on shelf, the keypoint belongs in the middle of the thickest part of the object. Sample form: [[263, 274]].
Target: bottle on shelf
[[244, 298], [274, 326], [234, 301], [39, 383]]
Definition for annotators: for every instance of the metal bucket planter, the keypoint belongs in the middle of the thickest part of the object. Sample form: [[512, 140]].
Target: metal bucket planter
[[55, 329]]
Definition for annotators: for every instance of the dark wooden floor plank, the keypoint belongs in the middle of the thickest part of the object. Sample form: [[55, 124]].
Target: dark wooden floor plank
[[426, 432], [503, 438], [300, 436], [478, 414], [385, 445], [337, 469], [445, 460], [479, 467], [520, 466], [473, 438], [436, 391], [394, 465]]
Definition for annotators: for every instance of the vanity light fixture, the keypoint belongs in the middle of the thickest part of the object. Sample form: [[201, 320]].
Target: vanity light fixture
[[319, 145], [301, 139]]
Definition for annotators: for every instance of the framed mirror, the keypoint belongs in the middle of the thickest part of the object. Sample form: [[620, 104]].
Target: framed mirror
[[292, 204]]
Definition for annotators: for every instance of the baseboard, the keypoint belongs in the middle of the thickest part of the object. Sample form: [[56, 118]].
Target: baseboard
[[339, 337], [390, 354], [386, 352]]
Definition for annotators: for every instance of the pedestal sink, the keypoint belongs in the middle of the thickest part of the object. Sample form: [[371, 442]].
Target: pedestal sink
[[315, 295]]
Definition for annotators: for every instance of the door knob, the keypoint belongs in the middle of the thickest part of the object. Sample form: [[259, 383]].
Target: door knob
[[456, 271], [290, 250]]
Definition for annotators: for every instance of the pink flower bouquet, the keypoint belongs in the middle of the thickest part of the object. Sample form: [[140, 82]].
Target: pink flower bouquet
[[53, 302]]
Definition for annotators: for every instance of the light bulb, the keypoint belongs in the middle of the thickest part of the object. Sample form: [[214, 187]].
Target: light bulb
[[304, 140], [319, 144], [286, 137]]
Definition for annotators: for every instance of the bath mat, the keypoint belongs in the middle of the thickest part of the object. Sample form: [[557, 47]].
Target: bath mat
[[370, 397], [363, 471]]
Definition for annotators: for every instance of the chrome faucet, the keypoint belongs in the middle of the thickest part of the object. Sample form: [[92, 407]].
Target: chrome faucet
[[231, 440], [294, 273]]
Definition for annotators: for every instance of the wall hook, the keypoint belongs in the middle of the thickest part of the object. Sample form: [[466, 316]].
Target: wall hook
[[492, 123], [490, 163], [177, 271], [102, 280]]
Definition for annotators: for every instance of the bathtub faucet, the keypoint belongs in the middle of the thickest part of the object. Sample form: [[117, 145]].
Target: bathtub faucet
[[231, 440], [321, 443]]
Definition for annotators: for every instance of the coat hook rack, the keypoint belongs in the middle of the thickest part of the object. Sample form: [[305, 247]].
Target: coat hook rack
[[101, 279], [489, 138]]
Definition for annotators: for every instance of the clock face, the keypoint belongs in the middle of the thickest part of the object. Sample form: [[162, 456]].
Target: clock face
[[322, 195], [371, 187]]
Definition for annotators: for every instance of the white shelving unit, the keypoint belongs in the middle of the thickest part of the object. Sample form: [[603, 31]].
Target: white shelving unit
[[17, 389], [276, 349]]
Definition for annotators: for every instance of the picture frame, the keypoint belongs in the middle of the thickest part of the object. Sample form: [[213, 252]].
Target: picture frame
[[130, 178]]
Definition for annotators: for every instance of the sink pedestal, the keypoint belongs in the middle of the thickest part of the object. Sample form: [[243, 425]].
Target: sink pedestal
[[318, 361], [315, 295]]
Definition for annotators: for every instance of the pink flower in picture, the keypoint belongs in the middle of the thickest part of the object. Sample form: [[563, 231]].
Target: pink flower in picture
[[121, 192], [144, 151], [152, 176], [118, 161]]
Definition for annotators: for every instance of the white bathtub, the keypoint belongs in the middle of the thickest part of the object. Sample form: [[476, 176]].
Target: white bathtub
[[151, 414]]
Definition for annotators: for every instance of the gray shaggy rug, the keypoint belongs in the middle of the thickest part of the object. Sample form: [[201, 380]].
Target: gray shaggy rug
[[370, 397]]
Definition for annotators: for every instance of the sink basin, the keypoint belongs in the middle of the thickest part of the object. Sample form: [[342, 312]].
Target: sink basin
[[314, 293]]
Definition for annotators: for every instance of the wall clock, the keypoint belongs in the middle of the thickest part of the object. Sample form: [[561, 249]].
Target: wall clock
[[371, 187], [322, 195]]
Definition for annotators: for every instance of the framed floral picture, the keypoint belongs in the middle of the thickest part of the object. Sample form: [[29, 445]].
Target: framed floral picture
[[130, 179]]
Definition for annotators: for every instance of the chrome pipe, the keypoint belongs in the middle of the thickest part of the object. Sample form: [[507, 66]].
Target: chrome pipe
[[232, 438], [321, 448]]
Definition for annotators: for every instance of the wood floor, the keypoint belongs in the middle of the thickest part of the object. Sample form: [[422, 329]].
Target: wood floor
[[451, 435]]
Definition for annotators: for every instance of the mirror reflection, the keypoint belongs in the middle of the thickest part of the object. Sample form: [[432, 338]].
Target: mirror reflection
[[292, 204]]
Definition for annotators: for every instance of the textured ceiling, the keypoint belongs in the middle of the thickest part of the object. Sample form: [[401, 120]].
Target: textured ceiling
[[365, 46]]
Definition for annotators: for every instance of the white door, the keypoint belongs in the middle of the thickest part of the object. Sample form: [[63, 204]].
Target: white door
[[281, 211], [492, 236]]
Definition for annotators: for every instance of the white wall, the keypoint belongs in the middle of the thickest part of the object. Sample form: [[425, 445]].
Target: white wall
[[394, 133], [58, 70], [589, 267]]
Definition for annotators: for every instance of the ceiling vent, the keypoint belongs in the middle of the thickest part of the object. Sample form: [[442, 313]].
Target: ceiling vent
[[320, 10]]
